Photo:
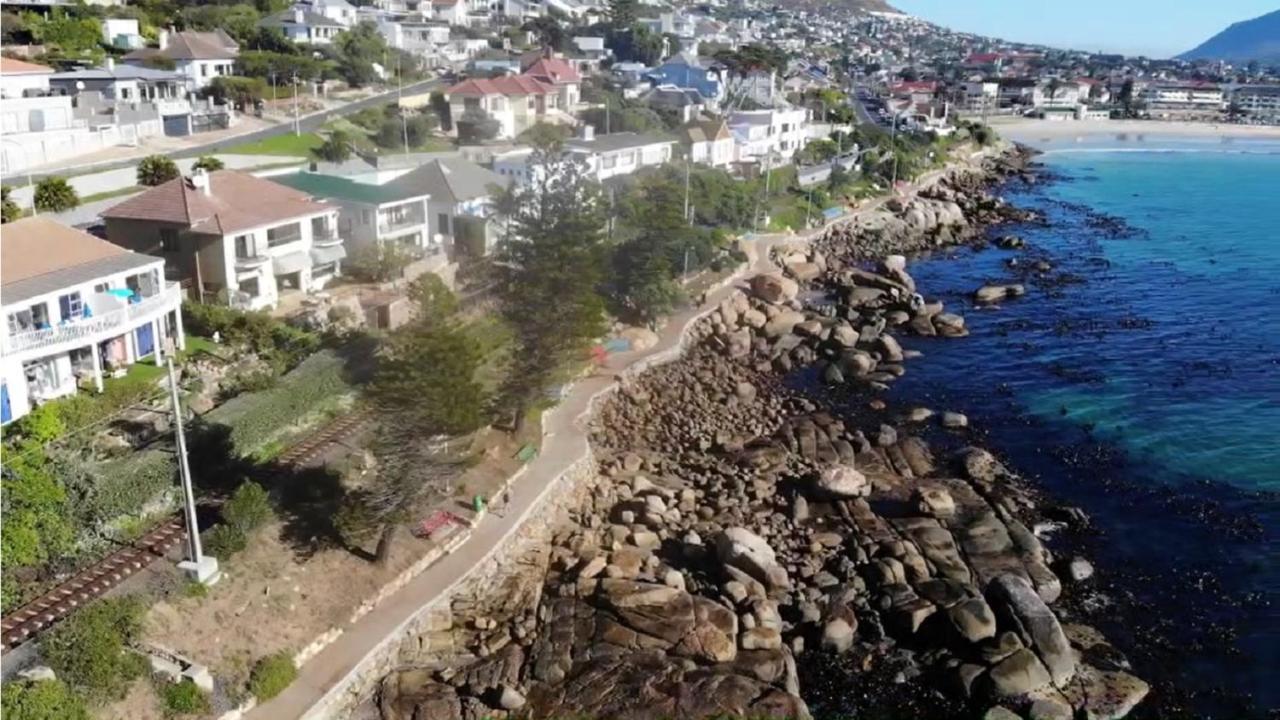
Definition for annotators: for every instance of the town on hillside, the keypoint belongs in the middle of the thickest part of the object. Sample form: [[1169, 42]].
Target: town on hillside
[[299, 292]]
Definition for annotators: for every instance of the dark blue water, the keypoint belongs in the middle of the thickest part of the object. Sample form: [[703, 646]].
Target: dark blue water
[[1140, 380]]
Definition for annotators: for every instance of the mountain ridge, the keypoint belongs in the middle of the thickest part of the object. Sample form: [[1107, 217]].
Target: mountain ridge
[[1254, 39]]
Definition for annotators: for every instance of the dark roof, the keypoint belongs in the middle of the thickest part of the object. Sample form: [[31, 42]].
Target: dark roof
[[290, 17], [452, 179], [192, 45], [618, 141], [119, 72]]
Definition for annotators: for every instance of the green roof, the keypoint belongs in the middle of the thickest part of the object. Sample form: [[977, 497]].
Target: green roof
[[341, 188]]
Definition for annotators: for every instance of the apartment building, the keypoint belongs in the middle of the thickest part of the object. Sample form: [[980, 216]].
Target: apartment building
[[228, 236], [77, 309]]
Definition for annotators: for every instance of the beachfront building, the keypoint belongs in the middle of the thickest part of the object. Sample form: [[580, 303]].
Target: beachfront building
[[77, 309], [228, 236], [561, 75], [1261, 102], [1184, 97]]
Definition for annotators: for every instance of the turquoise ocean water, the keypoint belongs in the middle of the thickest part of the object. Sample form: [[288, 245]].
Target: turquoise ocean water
[[1140, 380]]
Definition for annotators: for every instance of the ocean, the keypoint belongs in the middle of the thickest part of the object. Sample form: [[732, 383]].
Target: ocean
[[1139, 379]]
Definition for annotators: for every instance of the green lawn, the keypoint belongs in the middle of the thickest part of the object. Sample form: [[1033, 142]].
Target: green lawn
[[111, 193], [286, 144]]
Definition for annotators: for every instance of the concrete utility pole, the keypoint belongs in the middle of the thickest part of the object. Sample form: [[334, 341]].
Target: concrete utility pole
[[687, 217], [297, 126], [404, 119], [201, 568]]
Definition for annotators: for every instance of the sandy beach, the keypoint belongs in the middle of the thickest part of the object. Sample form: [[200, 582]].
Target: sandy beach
[[1037, 132]]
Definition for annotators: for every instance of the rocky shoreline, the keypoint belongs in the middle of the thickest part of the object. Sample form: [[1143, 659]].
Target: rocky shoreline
[[748, 551]]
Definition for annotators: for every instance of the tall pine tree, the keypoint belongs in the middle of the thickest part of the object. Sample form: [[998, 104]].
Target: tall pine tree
[[552, 264]]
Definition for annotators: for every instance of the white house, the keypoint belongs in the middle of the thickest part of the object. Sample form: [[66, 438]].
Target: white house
[[121, 33], [232, 237], [775, 133], [709, 142], [302, 25], [602, 156], [339, 11], [453, 12], [200, 56], [1183, 96], [77, 309], [19, 78]]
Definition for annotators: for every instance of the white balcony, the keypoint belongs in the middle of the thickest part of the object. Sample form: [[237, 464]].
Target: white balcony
[[86, 331]]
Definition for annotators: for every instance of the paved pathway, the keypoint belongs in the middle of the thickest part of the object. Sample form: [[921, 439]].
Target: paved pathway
[[564, 442]]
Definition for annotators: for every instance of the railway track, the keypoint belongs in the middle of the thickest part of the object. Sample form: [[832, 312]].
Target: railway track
[[87, 585]]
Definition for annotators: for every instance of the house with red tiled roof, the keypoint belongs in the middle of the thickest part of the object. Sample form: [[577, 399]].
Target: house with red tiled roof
[[517, 102], [19, 78], [232, 237], [560, 74]]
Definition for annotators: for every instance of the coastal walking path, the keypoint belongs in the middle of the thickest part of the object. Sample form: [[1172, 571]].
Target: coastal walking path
[[564, 442]]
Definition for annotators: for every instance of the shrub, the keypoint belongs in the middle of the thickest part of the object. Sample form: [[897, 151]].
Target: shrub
[[11, 211], [89, 651], [283, 345], [222, 541], [156, 170], [208, 163], [103, 493], [55, 194], [248, 509], [41, 700], [272, 675], [183, 698]]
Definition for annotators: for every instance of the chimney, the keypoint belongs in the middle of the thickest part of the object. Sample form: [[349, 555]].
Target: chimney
[[297, 15], [111, 64], [201, 181], [588, 132], [163, 38]]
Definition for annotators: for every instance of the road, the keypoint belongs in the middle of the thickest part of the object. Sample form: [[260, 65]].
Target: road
[[306, 123]]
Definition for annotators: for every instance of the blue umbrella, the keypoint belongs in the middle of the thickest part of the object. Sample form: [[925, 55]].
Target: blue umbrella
[[125, 293]]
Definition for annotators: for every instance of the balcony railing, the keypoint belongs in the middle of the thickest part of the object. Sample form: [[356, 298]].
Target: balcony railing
[[88, 330], [393, 224]]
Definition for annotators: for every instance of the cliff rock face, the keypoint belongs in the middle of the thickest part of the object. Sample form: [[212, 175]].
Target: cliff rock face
[[1256, 39]]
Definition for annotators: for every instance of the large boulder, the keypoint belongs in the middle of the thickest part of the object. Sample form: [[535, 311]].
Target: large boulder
[[1019, 674], [996, 293], [412, 694], [740, 548], [774, 288], [842, 481], [1020, 608], [783, 323]]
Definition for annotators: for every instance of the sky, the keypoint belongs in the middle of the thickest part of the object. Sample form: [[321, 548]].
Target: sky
[[1155, 28]]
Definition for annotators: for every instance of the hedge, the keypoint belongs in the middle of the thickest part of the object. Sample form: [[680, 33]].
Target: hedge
[[125, 488], [89, 651], [41, 700], [255, 419]]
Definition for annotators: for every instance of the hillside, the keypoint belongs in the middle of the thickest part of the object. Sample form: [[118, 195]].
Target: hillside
[[863, 5], [1256, 39]]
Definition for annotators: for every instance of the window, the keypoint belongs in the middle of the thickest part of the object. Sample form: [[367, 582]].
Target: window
[[168, 240], [283, 234], [101, 288], [244, 248], [71, 305], [609, 162], [442, 223], [35, 317], [204, 71]]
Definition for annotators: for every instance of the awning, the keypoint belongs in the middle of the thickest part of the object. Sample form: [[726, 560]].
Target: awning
[[291, 263], [325, 255]]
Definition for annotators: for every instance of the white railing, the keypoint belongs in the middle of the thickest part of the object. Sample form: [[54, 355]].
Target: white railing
[[92, 329]]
